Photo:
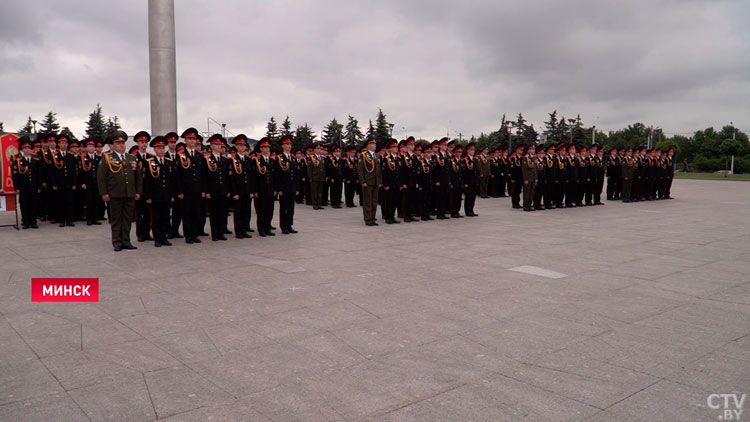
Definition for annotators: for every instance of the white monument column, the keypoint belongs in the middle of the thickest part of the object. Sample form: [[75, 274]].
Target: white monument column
[[162, 66]]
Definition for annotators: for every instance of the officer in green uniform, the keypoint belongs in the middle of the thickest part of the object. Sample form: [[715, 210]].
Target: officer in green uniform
[[120, 184], [528, 171]]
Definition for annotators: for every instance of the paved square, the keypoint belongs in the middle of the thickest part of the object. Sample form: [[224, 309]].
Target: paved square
[[625, 312]]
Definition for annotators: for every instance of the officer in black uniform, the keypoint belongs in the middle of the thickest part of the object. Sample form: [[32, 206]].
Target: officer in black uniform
[[471, 180], [217, 188], [190, 185], [335, 175], [457, 169], [159, 190], [240, 176], [142, 209], [64, 181], [351, 181], [89, 168], [287, 185], [614, 174], [442, 179], [392, 182], [263, 186], [27, 181]]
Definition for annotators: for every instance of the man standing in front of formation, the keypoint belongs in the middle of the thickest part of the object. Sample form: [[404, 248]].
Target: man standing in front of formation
[[287, 185], [370, 178], [26, 171], [120, 184]]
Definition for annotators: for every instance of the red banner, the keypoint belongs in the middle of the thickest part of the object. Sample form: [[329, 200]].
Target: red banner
[[9, 149], [64, 289]]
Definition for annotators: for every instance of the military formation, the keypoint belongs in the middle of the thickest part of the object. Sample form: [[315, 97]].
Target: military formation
[[185, 183]]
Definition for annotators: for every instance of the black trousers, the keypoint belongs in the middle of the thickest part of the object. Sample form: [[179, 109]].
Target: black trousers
[[550, 193], [324, 194], [598, 186], [336, 189], [28, 202], [308, 192], [611, 188], [516, 187], [286, 210], [203, 216], [539, 189], [241, 214], [263, 212], [142, 218], [160, 219], [349, 189], [470, 198], [51, 203], [176, 216], [561, 187], [425, 204], [443, 199], [390, 202], [92, 204], [217, 209], [191, 214], [410, 201], [456, 193], [64, 201], [571, 194]]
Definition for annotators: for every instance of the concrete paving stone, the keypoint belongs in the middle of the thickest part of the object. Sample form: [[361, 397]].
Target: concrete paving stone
[[81, 369], [125, 399], [139, 355], [232, 337], [232, 411], [29, 321], [122, 306], [466, 351], [25, 379], [187, 346], [329, 316], [368, 341], [714, 372], [523, 337], [273, 328], [107, 333], [52, 407], [718, 315], [737, 294], [667, 400], [470, 402], [53, 341], [329, 349], [241, 373], [293, 402], [180, 389]]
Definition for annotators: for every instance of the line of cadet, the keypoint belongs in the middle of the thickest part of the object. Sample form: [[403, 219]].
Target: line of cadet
[[186, 183], [561, 176]]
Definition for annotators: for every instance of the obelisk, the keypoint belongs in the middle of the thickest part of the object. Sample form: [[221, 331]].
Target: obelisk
[[162, 66]]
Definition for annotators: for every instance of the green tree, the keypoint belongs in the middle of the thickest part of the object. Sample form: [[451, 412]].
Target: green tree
[[382, 128], [352, 134], [95, 126], [112, 126], [69, 133], [303, 136], [2, 128], [50, 124], [333, 133], [28, 128], [272, 131], [286, 127], [551, 128], [370, 131]]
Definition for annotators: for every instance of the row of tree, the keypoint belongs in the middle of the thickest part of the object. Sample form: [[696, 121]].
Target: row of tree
[[706, 150]]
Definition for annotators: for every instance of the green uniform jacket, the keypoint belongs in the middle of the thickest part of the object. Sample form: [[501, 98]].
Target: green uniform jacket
[[368, 171], [528, 170], [483, 165], [118, 179], [316, 173]]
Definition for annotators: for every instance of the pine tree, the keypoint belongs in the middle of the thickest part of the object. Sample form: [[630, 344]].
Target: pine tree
[[550, 127], [27, 128], [303, 136], [50, 124], [530, 136], [112, 126], [382, 128], [286, 127], [370, 131], [67, 132], [272, 131], [353, 135], [563, 131], [95, 126], [579, 135], [333, 133]]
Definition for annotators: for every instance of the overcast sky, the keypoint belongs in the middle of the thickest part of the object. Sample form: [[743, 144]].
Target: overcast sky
[[433, 66]]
